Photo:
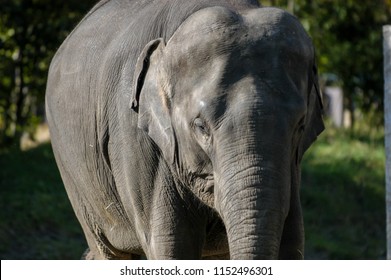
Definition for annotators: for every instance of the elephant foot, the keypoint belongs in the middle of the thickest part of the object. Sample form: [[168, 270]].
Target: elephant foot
[[217, 257], [87, 255]]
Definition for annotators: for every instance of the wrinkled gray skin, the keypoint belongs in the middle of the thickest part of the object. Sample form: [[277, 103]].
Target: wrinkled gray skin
[[179, 127]]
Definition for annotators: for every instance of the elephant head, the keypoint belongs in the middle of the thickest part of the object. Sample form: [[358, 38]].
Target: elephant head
[[233, 103]]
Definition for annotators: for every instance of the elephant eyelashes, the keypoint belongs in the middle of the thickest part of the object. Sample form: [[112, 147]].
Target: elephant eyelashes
[[200, 125]]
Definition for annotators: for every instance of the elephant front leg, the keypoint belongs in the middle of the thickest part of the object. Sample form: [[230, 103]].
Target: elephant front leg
[[292, 240], [175, 231]]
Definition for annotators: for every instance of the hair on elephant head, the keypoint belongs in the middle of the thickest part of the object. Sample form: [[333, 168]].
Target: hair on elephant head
[[207, 160]]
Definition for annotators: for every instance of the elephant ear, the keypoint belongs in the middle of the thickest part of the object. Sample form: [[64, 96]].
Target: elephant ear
[[150, 101], [314, 122]]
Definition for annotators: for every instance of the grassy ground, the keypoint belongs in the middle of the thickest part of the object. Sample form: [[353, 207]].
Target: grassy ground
[[342, 196], [36, 218]]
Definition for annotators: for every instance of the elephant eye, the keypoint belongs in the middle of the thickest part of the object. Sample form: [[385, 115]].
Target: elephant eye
[[201, 126]]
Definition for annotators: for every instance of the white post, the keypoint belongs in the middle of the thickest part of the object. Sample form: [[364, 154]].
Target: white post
[[387, 127], [291, 6]]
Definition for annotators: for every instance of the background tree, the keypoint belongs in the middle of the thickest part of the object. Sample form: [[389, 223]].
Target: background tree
[[348, 39], [30, 33], [387, 122]]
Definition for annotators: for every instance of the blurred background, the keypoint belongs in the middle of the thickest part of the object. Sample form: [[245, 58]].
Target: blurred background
[[343, 188]]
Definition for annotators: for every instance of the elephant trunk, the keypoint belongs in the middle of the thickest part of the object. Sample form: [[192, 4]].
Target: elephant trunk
[[252, 196]]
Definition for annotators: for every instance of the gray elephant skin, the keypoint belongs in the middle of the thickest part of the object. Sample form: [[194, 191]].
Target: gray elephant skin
[[178, 128]]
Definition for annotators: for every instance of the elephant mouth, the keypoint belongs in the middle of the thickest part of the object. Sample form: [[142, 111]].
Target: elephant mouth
[[203, 187]]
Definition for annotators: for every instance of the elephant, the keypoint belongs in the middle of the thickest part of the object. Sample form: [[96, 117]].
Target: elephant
[[178, 128]]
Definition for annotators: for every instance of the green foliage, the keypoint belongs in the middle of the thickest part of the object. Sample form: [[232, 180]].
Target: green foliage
[[30, 33], [343, 196], [349, 44], [347, 35]]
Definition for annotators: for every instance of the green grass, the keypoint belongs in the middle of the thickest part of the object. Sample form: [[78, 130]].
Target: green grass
[[36, 219], [342, 196]]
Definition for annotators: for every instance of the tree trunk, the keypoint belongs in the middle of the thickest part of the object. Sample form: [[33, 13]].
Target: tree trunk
[[387, 119], [350, 97], [20, 87]]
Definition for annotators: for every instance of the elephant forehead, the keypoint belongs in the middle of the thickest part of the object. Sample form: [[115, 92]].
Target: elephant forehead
[[209, 24], [218, 31], [279, 30], [204, 35]]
